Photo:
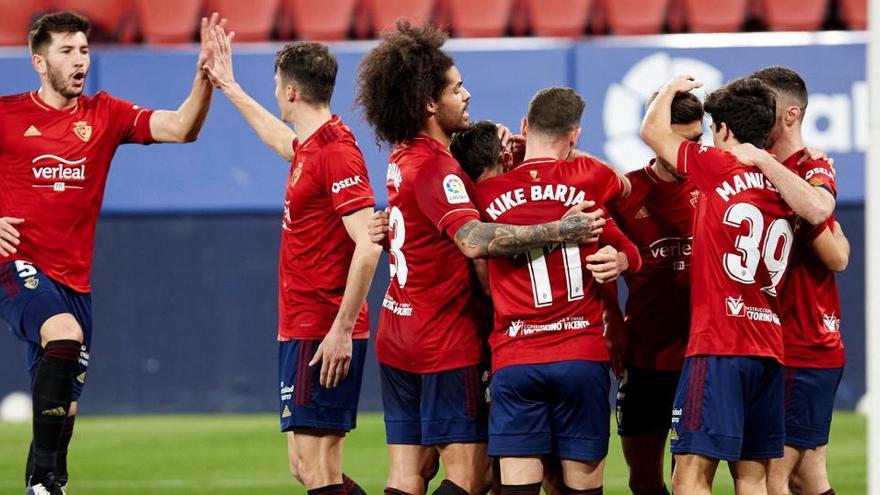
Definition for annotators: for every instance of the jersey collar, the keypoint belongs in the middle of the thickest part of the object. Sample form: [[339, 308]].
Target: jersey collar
[[35, 97], [535, 161]]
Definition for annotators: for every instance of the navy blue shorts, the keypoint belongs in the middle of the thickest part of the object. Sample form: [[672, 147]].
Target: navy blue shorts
[[809, 402], [304, 402], [435, 408], [28, 298], [644, 400], [552, 408], [729, 408]]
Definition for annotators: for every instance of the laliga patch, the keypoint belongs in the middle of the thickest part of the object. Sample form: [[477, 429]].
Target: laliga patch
[[454, 189]]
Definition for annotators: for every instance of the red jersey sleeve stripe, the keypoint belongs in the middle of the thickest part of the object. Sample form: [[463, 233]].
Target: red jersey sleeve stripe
[[370, 198], [682, 164], [450, 212]]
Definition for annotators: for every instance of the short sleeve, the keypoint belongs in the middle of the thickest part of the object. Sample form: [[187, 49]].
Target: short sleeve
[[444, 195], [346, 180], [819, 173], [132, 121], [703, 164]]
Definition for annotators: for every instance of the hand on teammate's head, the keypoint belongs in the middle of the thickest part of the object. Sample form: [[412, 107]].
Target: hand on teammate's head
[[683, 83]]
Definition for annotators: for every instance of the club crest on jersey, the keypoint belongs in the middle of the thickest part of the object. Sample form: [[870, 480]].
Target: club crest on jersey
[[295, 175], [735, 307], [82, 130], [454, 189], [534, 174], [695, 198], [33, 282], [831, 322]]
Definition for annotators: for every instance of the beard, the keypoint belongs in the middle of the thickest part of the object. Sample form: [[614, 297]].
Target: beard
[[452, 120], [60, 83]]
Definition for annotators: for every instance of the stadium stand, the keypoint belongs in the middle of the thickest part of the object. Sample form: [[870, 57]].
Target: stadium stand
[[326, 20], [176, 21], [384, 13], [854, 13], [636, 16], [251, 21], [168, 21], [112, 20], [16, 19], [794, 15], [479, 19], [715, 16], [558, 17]]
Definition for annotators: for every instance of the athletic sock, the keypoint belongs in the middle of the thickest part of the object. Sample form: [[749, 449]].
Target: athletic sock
[[395, 491], [29, 465], [829, 492], [530, 489], [588, 491], [449, 488], [337, 489], [52, 390], [351, 488], [61, 458], [664, 491]]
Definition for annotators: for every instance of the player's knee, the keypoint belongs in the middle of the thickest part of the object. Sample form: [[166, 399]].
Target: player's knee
[[293, 465], [61, 327]]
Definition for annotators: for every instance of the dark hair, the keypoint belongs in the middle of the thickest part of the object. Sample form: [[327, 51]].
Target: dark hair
[[555, 111], [747, 106], [476, 148], [686, 108], [312, 67], [399, 77], [41, 31], [786, 81]]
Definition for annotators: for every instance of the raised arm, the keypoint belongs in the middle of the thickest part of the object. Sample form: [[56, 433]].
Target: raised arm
[[271, 130], [478, 239], [184, 124], [335, 350], [657, 125], [813, 204]]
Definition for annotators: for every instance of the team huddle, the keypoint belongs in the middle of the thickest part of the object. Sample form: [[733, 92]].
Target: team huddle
[[501, 327]]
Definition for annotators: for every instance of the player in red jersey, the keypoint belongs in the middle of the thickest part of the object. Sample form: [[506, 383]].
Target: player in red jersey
[[322, 311], [814, 355], [550, 365], [658, 217], [428, 341], [55, 152], [729, 402]]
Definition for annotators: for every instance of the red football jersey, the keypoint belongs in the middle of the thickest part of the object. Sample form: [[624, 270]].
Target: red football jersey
[[328, 180], [743, 236], [810, 299], [548, 307], [658, 216], [430, 319], [54, 166]]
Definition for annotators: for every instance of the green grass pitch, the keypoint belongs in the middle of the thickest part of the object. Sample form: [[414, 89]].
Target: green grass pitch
[[222, 454]]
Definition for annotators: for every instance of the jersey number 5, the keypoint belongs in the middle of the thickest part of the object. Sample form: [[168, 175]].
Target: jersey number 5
[[777, 242]]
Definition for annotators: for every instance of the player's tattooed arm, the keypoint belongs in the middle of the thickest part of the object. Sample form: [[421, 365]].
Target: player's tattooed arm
[[184, 124], [813, 204], [657, 126], [270, 128], [477, 239]]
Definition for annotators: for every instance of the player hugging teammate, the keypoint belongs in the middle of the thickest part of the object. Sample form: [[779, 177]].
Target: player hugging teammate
[[750, 234]]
